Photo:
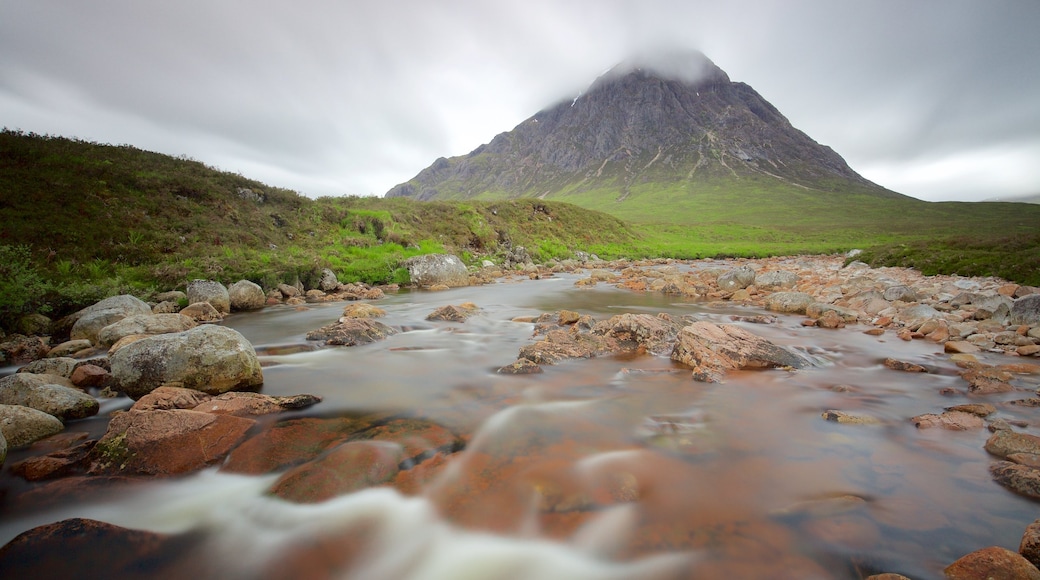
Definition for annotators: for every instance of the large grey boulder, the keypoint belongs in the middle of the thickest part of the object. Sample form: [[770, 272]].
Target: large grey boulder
[[61, 366], [328, 281], [209, 291], [900, 292], [713, 349], [246, 295], [736, 279], [42, 393], [915, 316], [144, 324], [435, 269], [92, 319], [1026, 310], [22, 425], [211, 359], [790, 302], [776, 279]]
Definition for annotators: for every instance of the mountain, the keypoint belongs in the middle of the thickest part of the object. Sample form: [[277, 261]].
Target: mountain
[[644, 126]]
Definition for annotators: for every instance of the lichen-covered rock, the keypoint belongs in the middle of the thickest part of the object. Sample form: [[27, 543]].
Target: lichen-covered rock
[[712, 349], [246, 295], [92, 319], [736, 279], [328, 281], [144, 324], [655, 334], [437, 269], [363, 310], [202, 312], [41, 393], [209, 291], [22, 425], [776, 279], [1026, 310], [789, 302], [1007, 442], [1021, 479], [452, 313], [61, 366], [212, 359], [351, 332]]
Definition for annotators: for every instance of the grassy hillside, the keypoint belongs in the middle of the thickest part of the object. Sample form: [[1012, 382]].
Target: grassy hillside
[[83, 220]]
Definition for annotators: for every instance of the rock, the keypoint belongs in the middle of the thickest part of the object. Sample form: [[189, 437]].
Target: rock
[[952, 420], [20, 349], [246, 295], [212, 359], [349, 467], [33, 325], [712, 349], [165, 442], [979, 409], [69, 347], [148, 324], [987, 381], [92, 319], [654, 334], [328, 281], [776, 279], [22, 425], [60, 463], [901, 293], [37, 392], [437, 269], [847, 419], [363, 310], [907, 367], [61, 366], [960, 346], [212, 292], [521, 367], [165, 398], [736, 279], [789, 302], [202, 312], [993, 563], [1030, 546], [90, 376], [1026, 310], [254, 404], [913, 317], [290, 443], [1006, 442], [452, 313], [288, 291], [559, 345], [351, 332], [1021, 479]]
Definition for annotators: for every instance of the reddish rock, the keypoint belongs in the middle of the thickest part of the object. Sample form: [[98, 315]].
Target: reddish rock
[[1021, 479], [55, 464], [164, 398], [993, 563], [79, 548], [243, 404], [960, 347], [452, 313], [908, 367], [655, 334], [980, 409], [559, 345], [290, 443], [1005, 442], [713, 349], [349, 467], [87, 376], [952, 420], [1030, 546], [520, 367], [418, 437], [351, 332], [165, 442]]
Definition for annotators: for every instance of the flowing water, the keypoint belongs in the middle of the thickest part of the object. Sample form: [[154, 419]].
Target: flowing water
[[614, 467]]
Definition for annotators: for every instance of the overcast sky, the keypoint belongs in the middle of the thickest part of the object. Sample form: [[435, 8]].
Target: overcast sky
[[938, 99]]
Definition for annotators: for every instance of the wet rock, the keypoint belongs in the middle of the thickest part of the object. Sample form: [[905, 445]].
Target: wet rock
[[165, 398], [209, 291], [655, 334], [70, 549], [960, 347], [993, 563], [1030, 545], [252, 404], [290, 443], [1021, 479], [90, 376], [202, 312], [1004, 442], [349, 467], [908, 367], [451, 313], [437, 269], [92, 319], [951, 420], [148, 324], [987, 381], [23, 425], [363, 310], [979, 409], [559, 345], [736, 279], [789, 302], [19, 349], [848, 419], [165, 442], [212, 359], [820, 309], [1026, 310], [246, 295], [351, 332], [520, 367], [713, 349], [60, 463], [61, 366], [40, 393]]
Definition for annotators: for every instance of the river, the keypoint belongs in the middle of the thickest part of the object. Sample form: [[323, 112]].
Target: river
[[738, 479]]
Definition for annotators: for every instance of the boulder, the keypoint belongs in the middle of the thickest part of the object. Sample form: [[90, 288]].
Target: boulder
[[212, 359], [993, 563], [21, 349], [61, 366], [144, 324], [452, 313], [1026, 310], [251, 404], [1030, 545], [92, 319], [209, 291], [246, 295], [351, 332], [437, 269], [22, 425], [363, 310], [202, 312], [33, 325], [712, 349], [776, 279], [37, 392], [736, 279], [165, 442], [1006, 442], [90, 376], [1021, 479], [901, 293], [789, 302], [69, 347], [915, 316], [174, 296], [655, 334], [349, 467], [328, 281]]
